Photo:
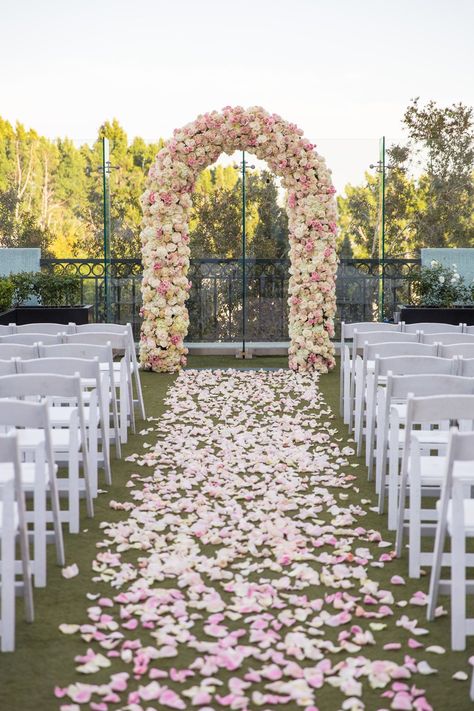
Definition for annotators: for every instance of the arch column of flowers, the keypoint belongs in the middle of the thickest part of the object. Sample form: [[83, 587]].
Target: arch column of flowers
[[311, 211]]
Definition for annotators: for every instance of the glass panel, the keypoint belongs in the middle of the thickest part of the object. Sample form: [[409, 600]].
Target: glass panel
[[215, 299], [267, 255]]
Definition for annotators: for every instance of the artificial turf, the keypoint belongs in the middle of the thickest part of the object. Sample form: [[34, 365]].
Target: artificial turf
[[44, 657]]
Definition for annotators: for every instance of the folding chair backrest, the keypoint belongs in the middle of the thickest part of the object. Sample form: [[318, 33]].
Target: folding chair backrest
[[437, 408], [468, 329], [17, 350], [447, 338], [466, 367], [347, 329], [359, 339], [101, 327], [400, 387], [49, 328], [24, 414], [415, 365], [462, 350], [6, 330], [384, 350], [40, 385], [77, 350], [432, 327], [7, 367], [61, 366], [118, 341], [31, 338]]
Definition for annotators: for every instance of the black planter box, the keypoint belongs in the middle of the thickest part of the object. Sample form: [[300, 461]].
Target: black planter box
[[428, 314], [47, 314]]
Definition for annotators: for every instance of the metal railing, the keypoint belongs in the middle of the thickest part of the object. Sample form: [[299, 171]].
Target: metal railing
[[215, 299]]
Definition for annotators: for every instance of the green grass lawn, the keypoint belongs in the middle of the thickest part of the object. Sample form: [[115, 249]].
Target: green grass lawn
[[44, 656]]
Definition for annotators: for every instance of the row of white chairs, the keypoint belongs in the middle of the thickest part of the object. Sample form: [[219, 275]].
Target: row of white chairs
[[382, 334], [58, 417], [407, 397]]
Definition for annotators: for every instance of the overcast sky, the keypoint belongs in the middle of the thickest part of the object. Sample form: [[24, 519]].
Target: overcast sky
[[343, 70]]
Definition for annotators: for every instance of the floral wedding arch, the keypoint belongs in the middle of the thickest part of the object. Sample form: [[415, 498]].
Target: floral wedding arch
[[311, 211]]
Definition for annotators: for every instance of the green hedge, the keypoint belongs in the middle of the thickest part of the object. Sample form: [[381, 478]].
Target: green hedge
[[48, 289]]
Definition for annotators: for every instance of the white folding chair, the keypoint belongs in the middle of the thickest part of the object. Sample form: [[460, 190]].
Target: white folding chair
[[427, 472], [12, 525], [427, 327], [392, 428], [69, 443], [38, 478], [17, 350], [122, 375], [364, 375], [358, 342], [43, 328], [96, 414], [347, 333], [29, 339], [456, 518], [447, 338], [462, 350], [134, 366], [105, 358]]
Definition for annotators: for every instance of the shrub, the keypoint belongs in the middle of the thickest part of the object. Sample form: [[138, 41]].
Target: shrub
[[6, 293], [49, 289], [439, 286]]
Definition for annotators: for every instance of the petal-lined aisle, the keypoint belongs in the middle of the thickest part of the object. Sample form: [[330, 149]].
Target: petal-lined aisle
[[242, 575]]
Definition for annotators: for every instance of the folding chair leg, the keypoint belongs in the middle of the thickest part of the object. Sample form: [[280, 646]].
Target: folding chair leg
[[25, 560], [414, 527], [440, 538], [73, 490], [138, 386], [458, 587], [8, 585], [58, 531], [39, 537]]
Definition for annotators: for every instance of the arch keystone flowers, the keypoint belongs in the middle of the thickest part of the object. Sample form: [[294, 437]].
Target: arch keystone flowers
[[311, 211]]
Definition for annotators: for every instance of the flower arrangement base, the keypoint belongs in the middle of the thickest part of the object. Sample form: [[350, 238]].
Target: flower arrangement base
[[429, 314], [47, 314]]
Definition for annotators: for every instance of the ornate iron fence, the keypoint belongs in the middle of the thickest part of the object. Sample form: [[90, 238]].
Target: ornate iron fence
[[215, 299]]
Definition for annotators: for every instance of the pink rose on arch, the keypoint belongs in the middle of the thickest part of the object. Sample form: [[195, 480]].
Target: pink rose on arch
[[152, 198]]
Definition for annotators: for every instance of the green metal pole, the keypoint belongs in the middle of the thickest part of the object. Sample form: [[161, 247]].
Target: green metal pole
[[106, 210], [382, 230], [244, 269]]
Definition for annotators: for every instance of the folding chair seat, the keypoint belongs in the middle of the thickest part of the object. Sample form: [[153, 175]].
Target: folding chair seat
[[12, 526], [134, 367], [432, 327], [421, 472], [38, 479], [30, 339], [120, 342], [96, 413], [69, 444], [104, 356], [347, 333]]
